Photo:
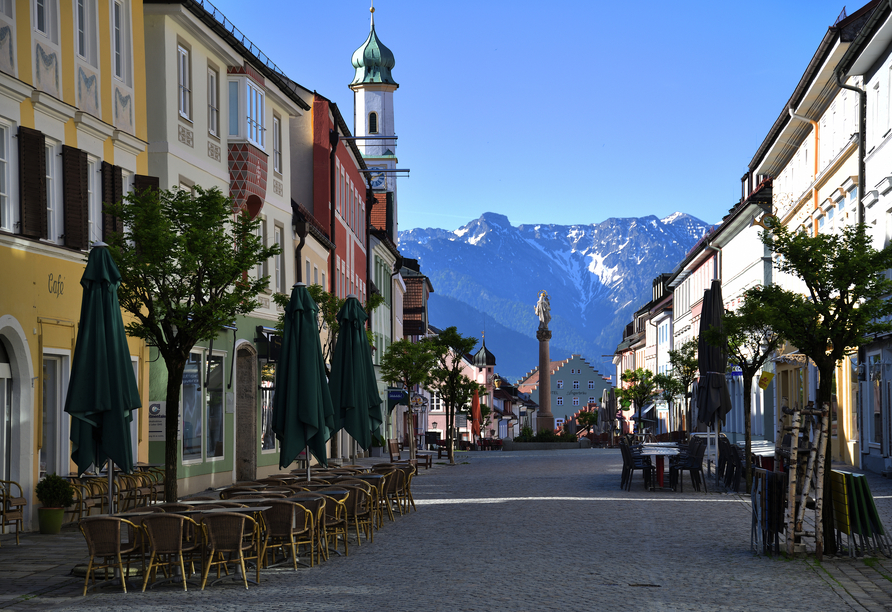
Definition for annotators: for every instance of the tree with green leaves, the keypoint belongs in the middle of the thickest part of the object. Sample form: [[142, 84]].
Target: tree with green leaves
[[407, 364], [751, 338], [668, 388], [447, 377], [684, 366], [183, 258], [587, 419], [329, 306], [844, 306], [639, 390]]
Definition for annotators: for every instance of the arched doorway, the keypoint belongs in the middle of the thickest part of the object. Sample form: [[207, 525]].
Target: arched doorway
[[246, 413], [16, 408]]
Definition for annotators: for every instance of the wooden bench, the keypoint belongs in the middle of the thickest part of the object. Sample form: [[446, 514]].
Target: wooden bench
[[421, 457]]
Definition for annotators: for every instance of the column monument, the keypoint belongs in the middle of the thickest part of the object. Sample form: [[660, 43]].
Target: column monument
[[545, 420]]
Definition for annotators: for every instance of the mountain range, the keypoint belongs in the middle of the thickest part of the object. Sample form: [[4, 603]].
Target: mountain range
[[487, 276]]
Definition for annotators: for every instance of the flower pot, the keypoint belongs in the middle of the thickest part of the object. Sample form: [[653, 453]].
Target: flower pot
[[50, 519], [376, 451]]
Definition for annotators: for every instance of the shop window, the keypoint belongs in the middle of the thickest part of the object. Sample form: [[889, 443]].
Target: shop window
[[267, 389], [192, 409]]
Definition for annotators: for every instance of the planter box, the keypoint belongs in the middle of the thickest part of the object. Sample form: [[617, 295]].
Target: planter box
[[510, 445]]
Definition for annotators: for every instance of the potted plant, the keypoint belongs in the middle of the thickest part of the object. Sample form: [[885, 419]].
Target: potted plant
[[377, 446], [56, 494]]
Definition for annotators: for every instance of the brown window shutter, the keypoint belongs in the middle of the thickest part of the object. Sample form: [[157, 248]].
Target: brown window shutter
[[142, 182], [74, 197], [32, 182], [118, 185], [112, 193]]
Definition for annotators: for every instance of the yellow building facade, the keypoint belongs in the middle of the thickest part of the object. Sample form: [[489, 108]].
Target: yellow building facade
[[72, 136]]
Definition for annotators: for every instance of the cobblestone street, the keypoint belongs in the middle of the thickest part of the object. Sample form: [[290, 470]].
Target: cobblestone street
[[512, 531]]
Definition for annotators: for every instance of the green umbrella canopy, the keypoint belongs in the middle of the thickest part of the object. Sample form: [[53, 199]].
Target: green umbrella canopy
[[102, 393], [354, 389], [302, 408]]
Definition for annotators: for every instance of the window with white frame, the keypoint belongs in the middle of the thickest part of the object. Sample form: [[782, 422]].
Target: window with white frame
[[184, 98], [575, 384], [46, 19], [118, 46], [277, 144], [436, 402], [560, 401], [280, 259], [6, 8], [373, 123], [54, 219], [560, 384], [255, 113], [213, 102], [261, 235], [233, 108], [94, 200], [575, 401], [591, 384], [7, 223], [85, 31], [307, 275]]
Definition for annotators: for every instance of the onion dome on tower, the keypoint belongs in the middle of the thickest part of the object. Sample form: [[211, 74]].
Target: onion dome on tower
[[483, 358], [373, 61]]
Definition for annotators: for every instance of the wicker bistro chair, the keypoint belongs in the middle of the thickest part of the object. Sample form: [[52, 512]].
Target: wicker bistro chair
[[380, 486], [228, 534], [104, 542], [360, 510], [394, 483], [316, 505], [405, 491], [174, 507], [12, 506], [335, 522], [171, 539], [286, 522]]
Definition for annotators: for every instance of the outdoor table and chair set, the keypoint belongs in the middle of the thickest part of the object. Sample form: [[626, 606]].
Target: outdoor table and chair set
[[265, 523], [650, 459]]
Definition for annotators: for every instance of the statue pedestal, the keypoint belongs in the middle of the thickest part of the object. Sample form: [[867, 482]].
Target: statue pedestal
[[545, 420]]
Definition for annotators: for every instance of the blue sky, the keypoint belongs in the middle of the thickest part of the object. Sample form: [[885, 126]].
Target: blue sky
[[562, 111]]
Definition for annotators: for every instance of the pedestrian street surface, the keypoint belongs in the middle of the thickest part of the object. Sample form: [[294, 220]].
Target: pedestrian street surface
[[541, 531]]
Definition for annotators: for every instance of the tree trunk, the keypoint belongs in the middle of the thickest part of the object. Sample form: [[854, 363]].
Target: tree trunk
[[828, 526], [171, 425], [748, 428], [450, 428]]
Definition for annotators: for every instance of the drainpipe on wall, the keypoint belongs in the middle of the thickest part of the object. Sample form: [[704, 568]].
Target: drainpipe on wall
[[862, 144], [814, 190], [301, 228]]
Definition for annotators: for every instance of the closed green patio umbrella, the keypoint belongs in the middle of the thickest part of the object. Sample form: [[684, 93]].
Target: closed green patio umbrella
[[302, 409], [102, 394], [354, 388]]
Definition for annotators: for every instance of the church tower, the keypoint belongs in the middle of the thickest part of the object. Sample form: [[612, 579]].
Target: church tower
[[373, 88]]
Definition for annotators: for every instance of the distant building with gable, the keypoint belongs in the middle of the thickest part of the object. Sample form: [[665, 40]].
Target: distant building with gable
[[574, 383]]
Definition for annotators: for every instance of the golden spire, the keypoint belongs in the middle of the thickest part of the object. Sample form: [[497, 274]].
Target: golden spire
[[372, 11]]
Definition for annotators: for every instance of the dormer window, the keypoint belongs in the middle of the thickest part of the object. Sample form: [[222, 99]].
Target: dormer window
[[373, 123]]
